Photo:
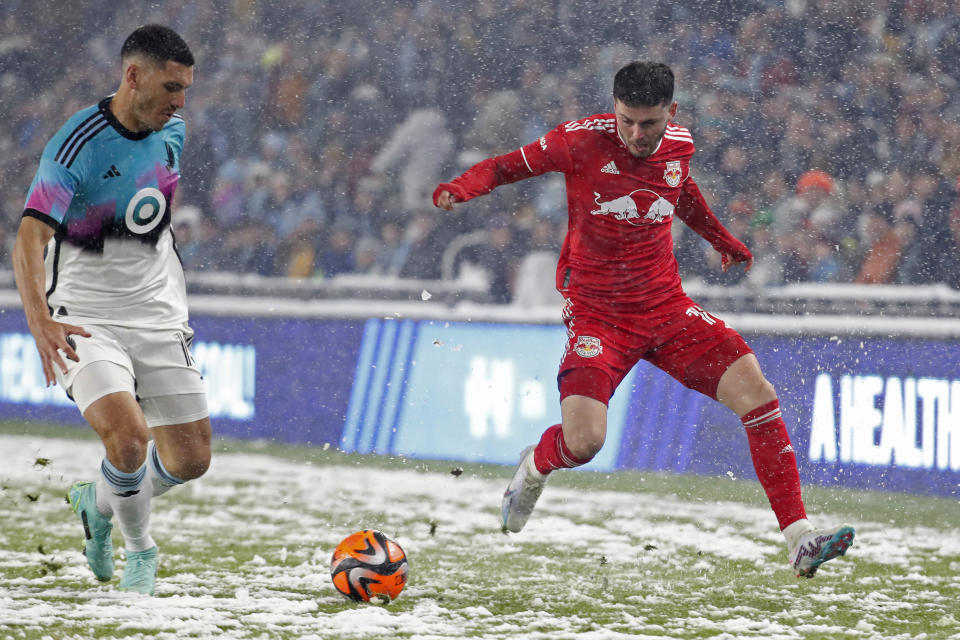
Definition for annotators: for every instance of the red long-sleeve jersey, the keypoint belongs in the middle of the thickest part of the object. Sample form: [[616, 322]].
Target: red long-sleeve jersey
[[618, 247]]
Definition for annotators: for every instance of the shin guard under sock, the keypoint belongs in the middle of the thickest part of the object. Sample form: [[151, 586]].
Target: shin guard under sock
[[775, 462]]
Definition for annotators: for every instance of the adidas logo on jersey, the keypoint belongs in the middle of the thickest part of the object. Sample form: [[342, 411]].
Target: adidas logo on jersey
[[112, 172], [610, 167]]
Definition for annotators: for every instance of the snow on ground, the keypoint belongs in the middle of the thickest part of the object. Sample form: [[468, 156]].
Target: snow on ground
[[304, 509]]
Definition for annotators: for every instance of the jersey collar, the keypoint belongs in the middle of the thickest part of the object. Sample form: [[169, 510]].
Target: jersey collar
[[104, 106]]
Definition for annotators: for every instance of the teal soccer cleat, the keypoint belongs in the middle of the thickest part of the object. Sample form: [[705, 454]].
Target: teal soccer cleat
[[818, 546], [97, 529], [140, 574]]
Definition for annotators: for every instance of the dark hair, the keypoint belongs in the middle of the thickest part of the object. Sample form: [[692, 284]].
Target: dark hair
[[644, 84], [158, 42]]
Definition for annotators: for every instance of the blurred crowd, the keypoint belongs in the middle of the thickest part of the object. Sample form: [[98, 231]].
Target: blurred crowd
[[828, 132]]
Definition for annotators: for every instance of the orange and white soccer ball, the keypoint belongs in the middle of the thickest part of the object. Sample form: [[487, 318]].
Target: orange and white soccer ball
[[367, 565]]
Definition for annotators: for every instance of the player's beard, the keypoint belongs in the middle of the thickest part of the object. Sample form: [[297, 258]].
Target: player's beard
[[151, 118], [647, 150], [158, 121]]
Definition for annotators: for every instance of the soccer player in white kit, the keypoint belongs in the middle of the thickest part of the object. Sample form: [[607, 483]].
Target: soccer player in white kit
[[103, 291]]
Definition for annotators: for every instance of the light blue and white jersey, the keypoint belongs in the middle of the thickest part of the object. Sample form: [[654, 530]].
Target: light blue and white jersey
[[107, 192]]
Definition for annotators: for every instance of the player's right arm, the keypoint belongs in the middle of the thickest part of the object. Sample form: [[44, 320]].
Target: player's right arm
[[50, 335], [549, 153], [61, 171]]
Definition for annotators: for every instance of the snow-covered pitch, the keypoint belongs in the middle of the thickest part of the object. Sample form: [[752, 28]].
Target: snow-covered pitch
[[245, 554]]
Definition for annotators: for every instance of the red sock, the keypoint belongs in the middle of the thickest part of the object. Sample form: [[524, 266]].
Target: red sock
[[775, 462], [552, 453]]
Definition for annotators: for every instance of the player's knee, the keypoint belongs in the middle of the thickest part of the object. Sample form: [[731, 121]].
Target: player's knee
[[767, 391], [761, 391], [584, 424], [192, 465], [590, 449], [743, 387], [128, 453], [587, 440], [195, 470], [200, 465]]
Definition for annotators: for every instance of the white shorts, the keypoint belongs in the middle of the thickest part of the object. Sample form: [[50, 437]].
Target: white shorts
[[155, 366]]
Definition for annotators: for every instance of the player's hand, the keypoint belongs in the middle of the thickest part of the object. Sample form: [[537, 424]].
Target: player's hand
[[52, 337], [445, 200], [729, 259], [447, 194]]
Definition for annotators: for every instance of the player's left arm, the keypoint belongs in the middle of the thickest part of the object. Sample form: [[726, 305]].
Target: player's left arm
[[693, 209]]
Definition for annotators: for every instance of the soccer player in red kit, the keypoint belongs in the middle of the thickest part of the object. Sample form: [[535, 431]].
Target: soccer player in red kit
[[627, 175]]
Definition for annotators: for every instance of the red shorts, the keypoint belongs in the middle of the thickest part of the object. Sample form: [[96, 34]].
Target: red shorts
[[677, 336]]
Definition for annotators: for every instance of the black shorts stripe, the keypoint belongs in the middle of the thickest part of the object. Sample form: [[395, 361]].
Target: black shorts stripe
[[56, 268], [176, 249], [186, 351], [73, 154]]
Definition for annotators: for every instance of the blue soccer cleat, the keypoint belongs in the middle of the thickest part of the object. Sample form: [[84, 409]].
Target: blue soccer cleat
[[140, 574], [818, 546], [97, 529]]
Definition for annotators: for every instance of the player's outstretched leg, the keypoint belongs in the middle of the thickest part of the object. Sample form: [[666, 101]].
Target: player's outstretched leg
[[97, 529], [140, 573], [536, 463], [522, 493], [816, 546]]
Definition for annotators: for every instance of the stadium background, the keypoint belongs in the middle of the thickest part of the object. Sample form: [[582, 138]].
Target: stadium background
[[317, 130], [828, 141]]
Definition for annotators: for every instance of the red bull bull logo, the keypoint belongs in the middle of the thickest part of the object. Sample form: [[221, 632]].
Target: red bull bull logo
[[625, 208]]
